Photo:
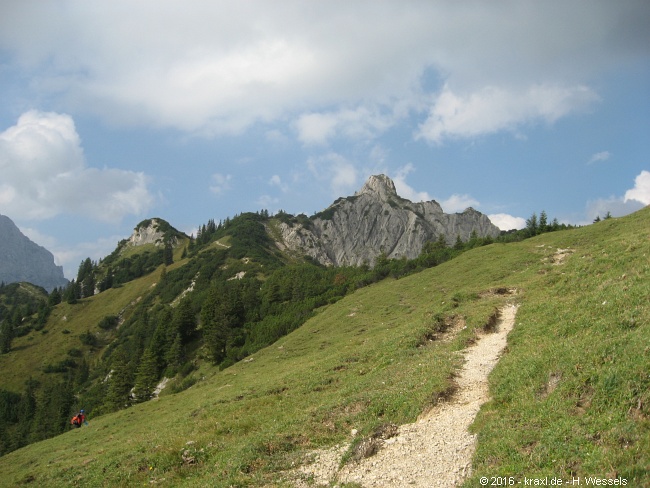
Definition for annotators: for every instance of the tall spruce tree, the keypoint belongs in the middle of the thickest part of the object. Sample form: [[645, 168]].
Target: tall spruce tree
[[119, 384], [6, 336], [543, 222], [184, 319], [146, 378], [174, 356], [168, 253], [215, 329], [532, 226]]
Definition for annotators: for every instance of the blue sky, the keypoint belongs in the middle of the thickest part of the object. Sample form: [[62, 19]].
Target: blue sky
[[113, 112]]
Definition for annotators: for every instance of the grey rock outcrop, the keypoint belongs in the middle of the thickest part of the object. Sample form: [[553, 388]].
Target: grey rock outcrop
[[153, 231], [23, 260], [358, 228]]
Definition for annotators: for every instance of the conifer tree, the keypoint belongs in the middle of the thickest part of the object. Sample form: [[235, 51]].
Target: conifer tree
[[26, 409], [168, 253], [146, 377], [184, 319], [72, 293], [459, 245], [532, 227], [6, 336], [119, 384], [54, 298], [555, 225], [215, 328], [174, 356], [543, 222]]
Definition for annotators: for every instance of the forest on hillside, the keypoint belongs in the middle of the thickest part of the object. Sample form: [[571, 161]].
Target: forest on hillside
[[224, 303]]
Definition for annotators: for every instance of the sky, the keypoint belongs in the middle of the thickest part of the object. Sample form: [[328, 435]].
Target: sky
[[114, 112]]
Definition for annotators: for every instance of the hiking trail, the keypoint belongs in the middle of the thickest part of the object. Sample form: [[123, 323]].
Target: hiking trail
[[437, 449]]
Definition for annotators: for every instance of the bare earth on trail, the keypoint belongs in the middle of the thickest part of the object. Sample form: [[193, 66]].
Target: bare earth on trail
[[437, 449]]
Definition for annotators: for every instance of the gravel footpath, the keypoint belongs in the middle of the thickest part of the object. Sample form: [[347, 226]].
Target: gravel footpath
[[437, 449]]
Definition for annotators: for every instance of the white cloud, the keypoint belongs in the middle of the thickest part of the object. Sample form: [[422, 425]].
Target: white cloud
[[493, 109], [458, 203], [341, 174], [219, 67], [634, 199], [599, 156], [641, 190], [404, 189], [507, 222], [361, 123], [44, 174], [276, 180], [315, 128], [220, 183]]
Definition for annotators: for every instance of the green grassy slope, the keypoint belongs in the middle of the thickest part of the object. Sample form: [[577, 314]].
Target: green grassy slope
[[32, 352], [570, 394]]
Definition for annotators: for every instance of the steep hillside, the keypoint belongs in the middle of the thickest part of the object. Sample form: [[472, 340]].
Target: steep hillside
[[357, 229], [570, 395]]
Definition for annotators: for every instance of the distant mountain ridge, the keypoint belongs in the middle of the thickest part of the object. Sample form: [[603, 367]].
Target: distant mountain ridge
[[23, 260], [354, 230], [375, 220]]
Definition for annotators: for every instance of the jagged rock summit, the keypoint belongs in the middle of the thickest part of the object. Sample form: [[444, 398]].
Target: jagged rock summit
[[380, 185], [154, 231], [23, 260], [356, 229]]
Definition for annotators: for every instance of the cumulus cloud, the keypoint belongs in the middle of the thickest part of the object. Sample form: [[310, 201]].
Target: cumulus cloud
[[507, 222], [633, 200], [219, 67], [458, 203], [361, 123], [494, 109], [44, 174], [641, 190]]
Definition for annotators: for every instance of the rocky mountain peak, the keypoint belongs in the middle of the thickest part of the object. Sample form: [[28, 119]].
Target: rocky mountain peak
[[154, 231], [353, 231], [380, 185], [146, 233], [23, 260]]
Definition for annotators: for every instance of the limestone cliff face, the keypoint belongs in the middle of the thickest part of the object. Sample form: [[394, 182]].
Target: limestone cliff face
[[153, 231], [23, 260], [356, 229]]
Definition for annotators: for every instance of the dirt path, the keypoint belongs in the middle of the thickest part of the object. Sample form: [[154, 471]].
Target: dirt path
[[437, 449]]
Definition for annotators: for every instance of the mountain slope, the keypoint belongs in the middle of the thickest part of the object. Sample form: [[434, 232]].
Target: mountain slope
[[570, 396], [357, 229], [23, 260]]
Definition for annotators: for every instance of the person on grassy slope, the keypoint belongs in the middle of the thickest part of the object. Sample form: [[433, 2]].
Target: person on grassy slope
[[79, 419]]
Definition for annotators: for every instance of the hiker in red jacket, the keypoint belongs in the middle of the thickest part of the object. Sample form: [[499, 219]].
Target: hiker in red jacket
[[79, 419]]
